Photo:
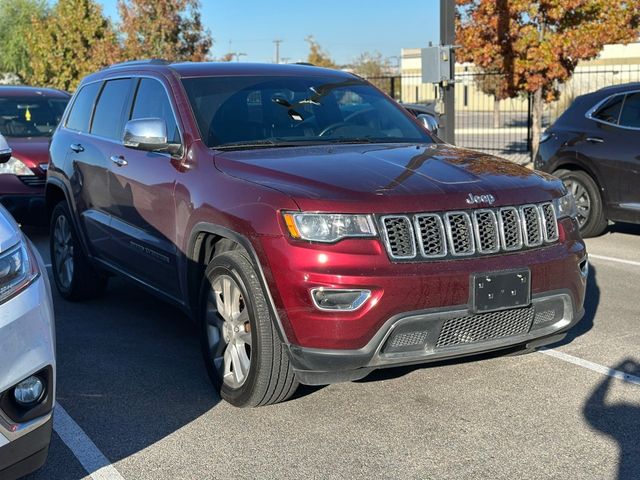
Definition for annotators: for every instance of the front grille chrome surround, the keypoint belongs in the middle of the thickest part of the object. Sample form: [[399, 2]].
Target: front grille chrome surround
[[479, 232]]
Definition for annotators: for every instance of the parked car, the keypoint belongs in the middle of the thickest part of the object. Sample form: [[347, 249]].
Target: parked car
[[28, 117], [311, 240], [593, 147], [27, 354]]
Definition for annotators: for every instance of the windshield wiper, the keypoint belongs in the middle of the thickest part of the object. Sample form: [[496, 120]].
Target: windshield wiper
[[266, 143]]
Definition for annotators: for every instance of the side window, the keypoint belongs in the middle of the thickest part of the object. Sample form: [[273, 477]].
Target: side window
[[610, 111], [108, 121], [80, 113], [152, 102], [630, 116]]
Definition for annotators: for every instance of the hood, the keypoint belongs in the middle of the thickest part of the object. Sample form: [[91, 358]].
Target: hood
[[32, 151], [388, 178]]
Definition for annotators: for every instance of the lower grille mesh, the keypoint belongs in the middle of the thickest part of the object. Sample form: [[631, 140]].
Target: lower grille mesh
[[485, 326]]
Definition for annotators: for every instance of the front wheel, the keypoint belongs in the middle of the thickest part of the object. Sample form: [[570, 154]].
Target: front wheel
[[591, 218], [243, 354], [74, 276]]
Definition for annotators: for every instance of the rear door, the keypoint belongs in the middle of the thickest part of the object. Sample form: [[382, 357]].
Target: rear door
[[141, 188]]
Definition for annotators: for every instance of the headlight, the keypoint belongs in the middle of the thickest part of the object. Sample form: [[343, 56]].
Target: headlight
[[15, 167], [17, 270], [328, 227], [565, 206]]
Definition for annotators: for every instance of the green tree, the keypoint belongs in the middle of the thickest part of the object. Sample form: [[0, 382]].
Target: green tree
[[169, 29], [75, 39], [536, 44], [317, 56], [15, 21], [371, 64]]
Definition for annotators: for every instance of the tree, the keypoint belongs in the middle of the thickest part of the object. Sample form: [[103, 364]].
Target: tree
[[75, 39], [169, 29], [371, 65], [536, 44], [15, 21], [317, 56], [490, 82]]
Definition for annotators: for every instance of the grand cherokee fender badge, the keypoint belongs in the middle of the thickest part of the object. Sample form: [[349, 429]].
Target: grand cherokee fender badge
[[476, 199]]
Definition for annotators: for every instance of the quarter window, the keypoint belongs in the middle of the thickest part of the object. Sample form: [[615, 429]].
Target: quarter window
[[630, 116], [80, 114], [152, 102], [610, 111], [108, 121]]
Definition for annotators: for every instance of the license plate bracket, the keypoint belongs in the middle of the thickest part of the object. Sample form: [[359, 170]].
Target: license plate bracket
[[496, 291]]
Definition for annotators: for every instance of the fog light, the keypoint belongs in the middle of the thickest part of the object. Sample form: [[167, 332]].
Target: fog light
[[339, 299], [28, 391]]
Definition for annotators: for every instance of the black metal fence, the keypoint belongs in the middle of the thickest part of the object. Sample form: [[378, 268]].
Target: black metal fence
[[504, 127]]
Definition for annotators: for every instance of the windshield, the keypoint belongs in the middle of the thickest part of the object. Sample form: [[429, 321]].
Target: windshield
[[30, 116], [272, 111]]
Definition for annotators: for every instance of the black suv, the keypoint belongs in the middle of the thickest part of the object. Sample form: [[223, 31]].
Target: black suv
[[594, 148]]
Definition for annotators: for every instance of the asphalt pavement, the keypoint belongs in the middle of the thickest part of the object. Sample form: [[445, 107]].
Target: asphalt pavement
[[134, 401]]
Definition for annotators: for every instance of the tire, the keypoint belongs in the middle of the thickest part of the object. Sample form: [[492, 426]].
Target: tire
[[74, 276], [588, 199], [243, 354]]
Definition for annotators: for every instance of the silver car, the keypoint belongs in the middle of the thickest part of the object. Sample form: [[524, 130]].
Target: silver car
[[27, 353]]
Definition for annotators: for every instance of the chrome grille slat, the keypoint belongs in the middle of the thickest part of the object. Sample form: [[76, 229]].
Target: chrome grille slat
[[399, 236], [459, 233], [431, 235], [485, 231]]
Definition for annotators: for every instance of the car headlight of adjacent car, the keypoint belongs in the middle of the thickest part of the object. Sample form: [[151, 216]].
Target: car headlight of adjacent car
[[15, 167], [565, 206], [17, 270], [328, 227]]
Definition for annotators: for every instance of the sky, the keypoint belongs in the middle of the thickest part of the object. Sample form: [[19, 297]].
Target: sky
[[345, 28]]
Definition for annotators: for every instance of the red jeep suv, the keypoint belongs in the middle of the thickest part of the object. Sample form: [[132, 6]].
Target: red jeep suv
[[309, 224]]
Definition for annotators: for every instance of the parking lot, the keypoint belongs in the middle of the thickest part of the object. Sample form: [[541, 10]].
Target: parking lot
[[134, 400]]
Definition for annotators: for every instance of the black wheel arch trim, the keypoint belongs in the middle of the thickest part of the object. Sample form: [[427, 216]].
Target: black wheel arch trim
[[579, 163], [242, 240], [58, 183]]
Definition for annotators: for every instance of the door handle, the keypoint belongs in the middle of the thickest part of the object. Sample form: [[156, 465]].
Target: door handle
[[76, 147], [119, 160], [594, 140]]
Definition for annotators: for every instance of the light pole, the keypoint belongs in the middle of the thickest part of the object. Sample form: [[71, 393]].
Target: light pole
[[448, 37], [277, 41]]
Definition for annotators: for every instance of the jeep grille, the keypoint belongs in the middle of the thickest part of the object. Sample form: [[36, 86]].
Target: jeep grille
[[467, 233]]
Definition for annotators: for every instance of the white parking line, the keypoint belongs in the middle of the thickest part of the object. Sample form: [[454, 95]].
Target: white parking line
[[89, 456], [614, 259], [625, 377]]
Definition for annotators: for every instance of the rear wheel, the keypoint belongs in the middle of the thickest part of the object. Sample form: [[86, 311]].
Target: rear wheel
[[74, 276], [588, 201], [243, 354]]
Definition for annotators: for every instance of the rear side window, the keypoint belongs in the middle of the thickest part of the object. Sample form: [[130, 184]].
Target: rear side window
[[610, 111], [630, 116], [152, 102], [108, 121], [80, 114]]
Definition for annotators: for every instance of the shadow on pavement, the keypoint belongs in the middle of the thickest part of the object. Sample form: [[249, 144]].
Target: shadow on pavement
[[618, 420], [130, 370]]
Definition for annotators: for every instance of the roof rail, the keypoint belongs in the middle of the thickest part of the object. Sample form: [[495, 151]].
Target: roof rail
[[146, 61], [306, 64]]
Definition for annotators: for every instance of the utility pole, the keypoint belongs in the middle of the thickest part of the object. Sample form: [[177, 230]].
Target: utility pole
[[448, 37], [277, 41]]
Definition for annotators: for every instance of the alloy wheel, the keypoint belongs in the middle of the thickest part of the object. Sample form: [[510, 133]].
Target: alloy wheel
[[63, 251], [229, 331], [582, 198]]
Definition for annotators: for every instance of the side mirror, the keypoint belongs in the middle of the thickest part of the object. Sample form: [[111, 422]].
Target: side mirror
[[148, 134], [429, 122], [5, 150]]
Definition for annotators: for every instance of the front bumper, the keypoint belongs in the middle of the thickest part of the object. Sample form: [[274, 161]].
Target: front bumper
[[27, 347], [439, 334]]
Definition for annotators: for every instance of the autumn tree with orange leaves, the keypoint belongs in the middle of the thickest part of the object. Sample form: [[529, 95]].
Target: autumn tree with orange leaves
[[536, 45], [168, 29]]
